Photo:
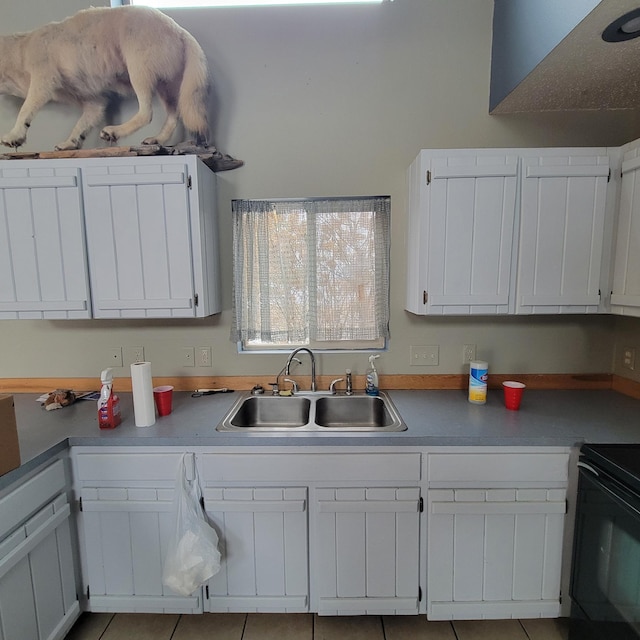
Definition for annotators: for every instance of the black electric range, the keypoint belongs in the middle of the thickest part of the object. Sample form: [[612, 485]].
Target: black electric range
[[605, 584]]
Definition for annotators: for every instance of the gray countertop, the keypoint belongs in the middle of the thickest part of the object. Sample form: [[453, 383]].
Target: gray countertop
[[433, 417]]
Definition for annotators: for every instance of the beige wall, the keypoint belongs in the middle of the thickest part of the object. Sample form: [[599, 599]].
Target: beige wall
[[326, 101]]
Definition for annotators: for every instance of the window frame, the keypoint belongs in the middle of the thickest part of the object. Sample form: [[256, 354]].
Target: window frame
[[381, 230]]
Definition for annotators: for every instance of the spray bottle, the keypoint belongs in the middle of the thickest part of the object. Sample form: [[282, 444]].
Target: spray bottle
[[108, 403], [372, 387]]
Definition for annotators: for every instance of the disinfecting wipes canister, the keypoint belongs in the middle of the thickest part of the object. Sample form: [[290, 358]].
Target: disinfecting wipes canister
[[478, 376]]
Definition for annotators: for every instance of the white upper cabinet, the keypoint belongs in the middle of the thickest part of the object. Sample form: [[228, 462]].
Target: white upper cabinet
[[462, 210], [625, 297], [43, 268], [151, 237], [562, 228], [108, 238], [497, 231]]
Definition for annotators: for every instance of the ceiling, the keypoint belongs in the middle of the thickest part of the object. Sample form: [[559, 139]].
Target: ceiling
[[583, 71]]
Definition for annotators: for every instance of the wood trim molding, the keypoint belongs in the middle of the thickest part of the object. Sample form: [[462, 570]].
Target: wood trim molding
[[396, 381], [626, 386]]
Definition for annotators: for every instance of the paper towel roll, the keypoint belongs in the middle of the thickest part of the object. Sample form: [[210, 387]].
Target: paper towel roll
[[142, 387]]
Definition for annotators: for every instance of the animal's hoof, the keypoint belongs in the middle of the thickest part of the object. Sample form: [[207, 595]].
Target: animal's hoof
[[12, 142], [65, 146], [108, 135]]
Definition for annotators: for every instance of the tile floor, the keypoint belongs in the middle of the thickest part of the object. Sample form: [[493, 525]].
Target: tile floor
[[265, 626]]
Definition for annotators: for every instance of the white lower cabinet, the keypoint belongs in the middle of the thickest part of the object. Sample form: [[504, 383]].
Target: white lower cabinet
[[336, 531], [125, 525], [495, 536], [38, 599], [367, 550], [353, 550], [263, 541]]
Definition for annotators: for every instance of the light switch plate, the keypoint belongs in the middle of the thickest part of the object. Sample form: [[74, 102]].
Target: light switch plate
[[424, 356], [188, 356]]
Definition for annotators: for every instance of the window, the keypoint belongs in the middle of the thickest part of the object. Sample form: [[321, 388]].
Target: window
[[233, 3], [311, 272]]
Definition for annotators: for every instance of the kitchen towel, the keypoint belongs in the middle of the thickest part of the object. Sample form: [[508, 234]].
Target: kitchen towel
[[142, 386]]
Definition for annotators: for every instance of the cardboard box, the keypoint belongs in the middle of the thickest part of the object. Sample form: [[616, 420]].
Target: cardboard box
[[9, 446]]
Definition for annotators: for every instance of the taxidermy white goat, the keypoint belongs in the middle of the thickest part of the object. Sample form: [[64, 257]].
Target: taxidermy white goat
[[100, 53]]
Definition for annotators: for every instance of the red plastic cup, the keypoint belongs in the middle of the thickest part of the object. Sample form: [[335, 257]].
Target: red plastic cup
[[163, 396], [513, 394]]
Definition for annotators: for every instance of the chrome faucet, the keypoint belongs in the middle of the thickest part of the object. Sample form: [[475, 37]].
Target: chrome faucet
[[275, 386], [313, 364], [349, 390]]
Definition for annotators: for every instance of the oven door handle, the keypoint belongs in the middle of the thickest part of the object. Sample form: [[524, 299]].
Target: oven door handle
[[588, 467], [617, 493]]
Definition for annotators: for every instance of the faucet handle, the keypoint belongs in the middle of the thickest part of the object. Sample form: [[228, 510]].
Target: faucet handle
[[274, 388], [294, 385], [332, 386]]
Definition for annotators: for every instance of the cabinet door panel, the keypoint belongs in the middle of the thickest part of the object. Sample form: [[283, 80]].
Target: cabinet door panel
[[562, 233], [464, 215], [43, 267], [468, 556], [471, 232], [625, 297], [490, 557], [366, 556], [270, 558], [145, 549], [45, 576], [499, 554], [138, 228], [263, 540], [381, 566], [17, 604], [351, 555], [37, 579], [126, 533]]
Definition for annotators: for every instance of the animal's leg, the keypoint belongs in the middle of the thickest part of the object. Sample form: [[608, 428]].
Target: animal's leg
[[143, 88], [92, 114], [166, 132], [37, 97], [168, 100]]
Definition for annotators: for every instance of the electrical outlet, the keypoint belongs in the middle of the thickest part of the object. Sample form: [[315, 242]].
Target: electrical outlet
[[133, 354], [468, 353], [629, 358], [188, 356], [204, 356], [426, 356], [115, 357]]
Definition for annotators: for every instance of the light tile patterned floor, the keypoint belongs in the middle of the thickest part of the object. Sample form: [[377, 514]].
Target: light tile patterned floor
[[264, 626]]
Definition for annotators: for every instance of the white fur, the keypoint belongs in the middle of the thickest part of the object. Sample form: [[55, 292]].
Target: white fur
[[99, 52]]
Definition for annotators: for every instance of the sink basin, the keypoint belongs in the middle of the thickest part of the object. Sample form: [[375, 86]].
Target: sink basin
[[268, 412], [312, 412], [353, 412]]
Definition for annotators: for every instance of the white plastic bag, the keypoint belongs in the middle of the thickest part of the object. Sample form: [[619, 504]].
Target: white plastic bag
[[192, 556]]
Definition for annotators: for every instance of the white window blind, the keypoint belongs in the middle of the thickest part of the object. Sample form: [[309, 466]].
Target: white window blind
[[311, 272]]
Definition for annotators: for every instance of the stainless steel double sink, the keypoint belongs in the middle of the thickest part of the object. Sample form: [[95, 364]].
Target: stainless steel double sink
[[312, 412]]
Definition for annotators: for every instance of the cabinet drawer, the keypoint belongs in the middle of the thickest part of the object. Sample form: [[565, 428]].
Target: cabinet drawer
[[123, 467], [310, 467], [486, 469], [23, 501]]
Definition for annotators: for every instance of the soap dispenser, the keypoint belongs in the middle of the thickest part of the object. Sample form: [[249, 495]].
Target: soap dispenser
[[371, 387]]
